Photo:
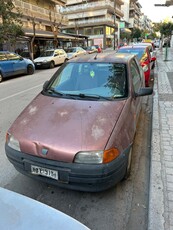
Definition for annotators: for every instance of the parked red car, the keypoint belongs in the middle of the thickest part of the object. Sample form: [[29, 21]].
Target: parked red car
[[144, 56], [98, 48], [78, 132]]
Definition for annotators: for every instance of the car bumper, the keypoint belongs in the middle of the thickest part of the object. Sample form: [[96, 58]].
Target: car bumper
[[82, 177], [42, 65]]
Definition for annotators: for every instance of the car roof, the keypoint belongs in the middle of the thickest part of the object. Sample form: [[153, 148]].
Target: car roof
[[132, 46], [111, 57]]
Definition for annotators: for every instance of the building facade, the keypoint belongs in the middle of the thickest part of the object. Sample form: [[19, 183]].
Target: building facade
[[98, 19], [135, 14], [41, 22]]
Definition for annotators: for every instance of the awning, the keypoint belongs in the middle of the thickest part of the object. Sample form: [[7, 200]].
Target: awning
[[49, 35]]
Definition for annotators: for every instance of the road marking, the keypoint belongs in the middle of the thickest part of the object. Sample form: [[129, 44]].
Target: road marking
[[16, 94]]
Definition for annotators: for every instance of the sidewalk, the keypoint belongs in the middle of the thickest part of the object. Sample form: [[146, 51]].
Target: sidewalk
[[161, 174]]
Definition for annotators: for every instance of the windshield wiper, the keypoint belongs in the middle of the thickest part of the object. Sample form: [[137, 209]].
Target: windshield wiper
[[92, 96], [53, 91]]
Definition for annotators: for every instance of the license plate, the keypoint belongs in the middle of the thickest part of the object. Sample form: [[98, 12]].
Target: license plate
[[38, 63], [44, 172]]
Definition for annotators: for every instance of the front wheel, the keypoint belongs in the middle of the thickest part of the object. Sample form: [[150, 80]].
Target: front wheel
[[30, 69], [52, 65]]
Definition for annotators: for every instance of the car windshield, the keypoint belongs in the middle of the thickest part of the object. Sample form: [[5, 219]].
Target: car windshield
[[139, 52], [71, 50], [47, 53], [87, 80]]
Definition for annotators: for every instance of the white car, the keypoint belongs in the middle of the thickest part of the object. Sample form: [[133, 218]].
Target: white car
[[75, 52], [19, 212], [50, 58]]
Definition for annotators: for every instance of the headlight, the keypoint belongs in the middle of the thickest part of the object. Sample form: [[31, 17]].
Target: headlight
[[12, 142], [96, 157], [45, 60]]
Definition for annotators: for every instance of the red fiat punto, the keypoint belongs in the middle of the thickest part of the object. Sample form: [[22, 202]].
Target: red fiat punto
[[144, 56], [78, 132]]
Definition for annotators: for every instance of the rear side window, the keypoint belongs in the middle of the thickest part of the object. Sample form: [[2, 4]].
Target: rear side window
[[3, 57], [12, 56]]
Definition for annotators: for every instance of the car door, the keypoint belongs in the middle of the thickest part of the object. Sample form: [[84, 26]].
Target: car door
[[19, 64], [137, 83], [6, 66], [57, 57], [63, 55]]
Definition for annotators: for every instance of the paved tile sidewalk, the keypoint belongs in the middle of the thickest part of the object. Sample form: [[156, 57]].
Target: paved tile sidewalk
[[161, 171]]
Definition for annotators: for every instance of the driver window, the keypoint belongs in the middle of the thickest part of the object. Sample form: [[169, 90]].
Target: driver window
[[136, 77]]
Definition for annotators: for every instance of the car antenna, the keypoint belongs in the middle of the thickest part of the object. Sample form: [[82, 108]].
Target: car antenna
[[95, 57]]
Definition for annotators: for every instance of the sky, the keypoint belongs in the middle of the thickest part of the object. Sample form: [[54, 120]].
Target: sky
[[156, 14]]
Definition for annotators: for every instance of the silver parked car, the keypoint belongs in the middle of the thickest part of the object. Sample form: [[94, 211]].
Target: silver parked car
[[75, 52]]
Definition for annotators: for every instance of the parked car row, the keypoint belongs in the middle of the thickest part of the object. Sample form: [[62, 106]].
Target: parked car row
[[146, 55], [81, 130], [12, 64]]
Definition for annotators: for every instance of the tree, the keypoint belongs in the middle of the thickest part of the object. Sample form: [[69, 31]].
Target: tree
[[55, 26], [136, 33], [166, 28], [10, 23]]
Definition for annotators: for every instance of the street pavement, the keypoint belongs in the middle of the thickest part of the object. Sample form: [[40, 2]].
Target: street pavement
[[161, 169]]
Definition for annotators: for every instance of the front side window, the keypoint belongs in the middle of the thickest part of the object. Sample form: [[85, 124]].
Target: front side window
[[108, 80], [47, 53], [136, 76]]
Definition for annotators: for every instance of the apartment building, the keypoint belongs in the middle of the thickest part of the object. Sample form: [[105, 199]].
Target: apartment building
[[98, 19], [135, 14], [42, 20]]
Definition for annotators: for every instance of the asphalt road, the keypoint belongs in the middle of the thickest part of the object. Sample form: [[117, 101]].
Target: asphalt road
[[124, 207]]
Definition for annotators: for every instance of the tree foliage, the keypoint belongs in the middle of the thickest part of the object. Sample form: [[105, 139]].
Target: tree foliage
[[166, 28], [10, 22], [136, 33]]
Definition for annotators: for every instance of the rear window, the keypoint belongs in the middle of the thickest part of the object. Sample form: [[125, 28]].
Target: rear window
[[107, 80], [136, 51]]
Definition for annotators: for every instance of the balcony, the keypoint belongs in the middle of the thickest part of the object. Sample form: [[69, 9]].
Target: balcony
[[39, 13], [92, 6], [109, 21]]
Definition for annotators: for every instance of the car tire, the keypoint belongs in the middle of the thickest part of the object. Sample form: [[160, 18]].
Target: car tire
[[129, 163], [1, 77], [30, 69], [52, 65]]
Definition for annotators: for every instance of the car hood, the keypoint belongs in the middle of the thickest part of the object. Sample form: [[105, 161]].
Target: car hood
[[40, 59], [70, 54], [65, 126]]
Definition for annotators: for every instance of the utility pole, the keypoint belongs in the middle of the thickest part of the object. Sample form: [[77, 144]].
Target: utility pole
[[114, 22]]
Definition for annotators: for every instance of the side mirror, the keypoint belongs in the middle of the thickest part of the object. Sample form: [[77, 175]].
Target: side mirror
[[153, 59], [144, 92]]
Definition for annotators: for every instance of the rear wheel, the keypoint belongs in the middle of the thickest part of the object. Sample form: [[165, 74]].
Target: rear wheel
[[52, 65], [30, 69], [1, 77]]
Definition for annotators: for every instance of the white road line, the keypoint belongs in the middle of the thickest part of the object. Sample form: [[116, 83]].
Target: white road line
[[16, 94]]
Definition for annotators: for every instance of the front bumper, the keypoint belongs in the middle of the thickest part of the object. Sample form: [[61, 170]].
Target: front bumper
[[42, 64], [82, 177]]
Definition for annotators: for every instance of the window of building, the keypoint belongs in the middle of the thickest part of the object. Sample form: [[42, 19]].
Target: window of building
[[98, 30], [87, 31]]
